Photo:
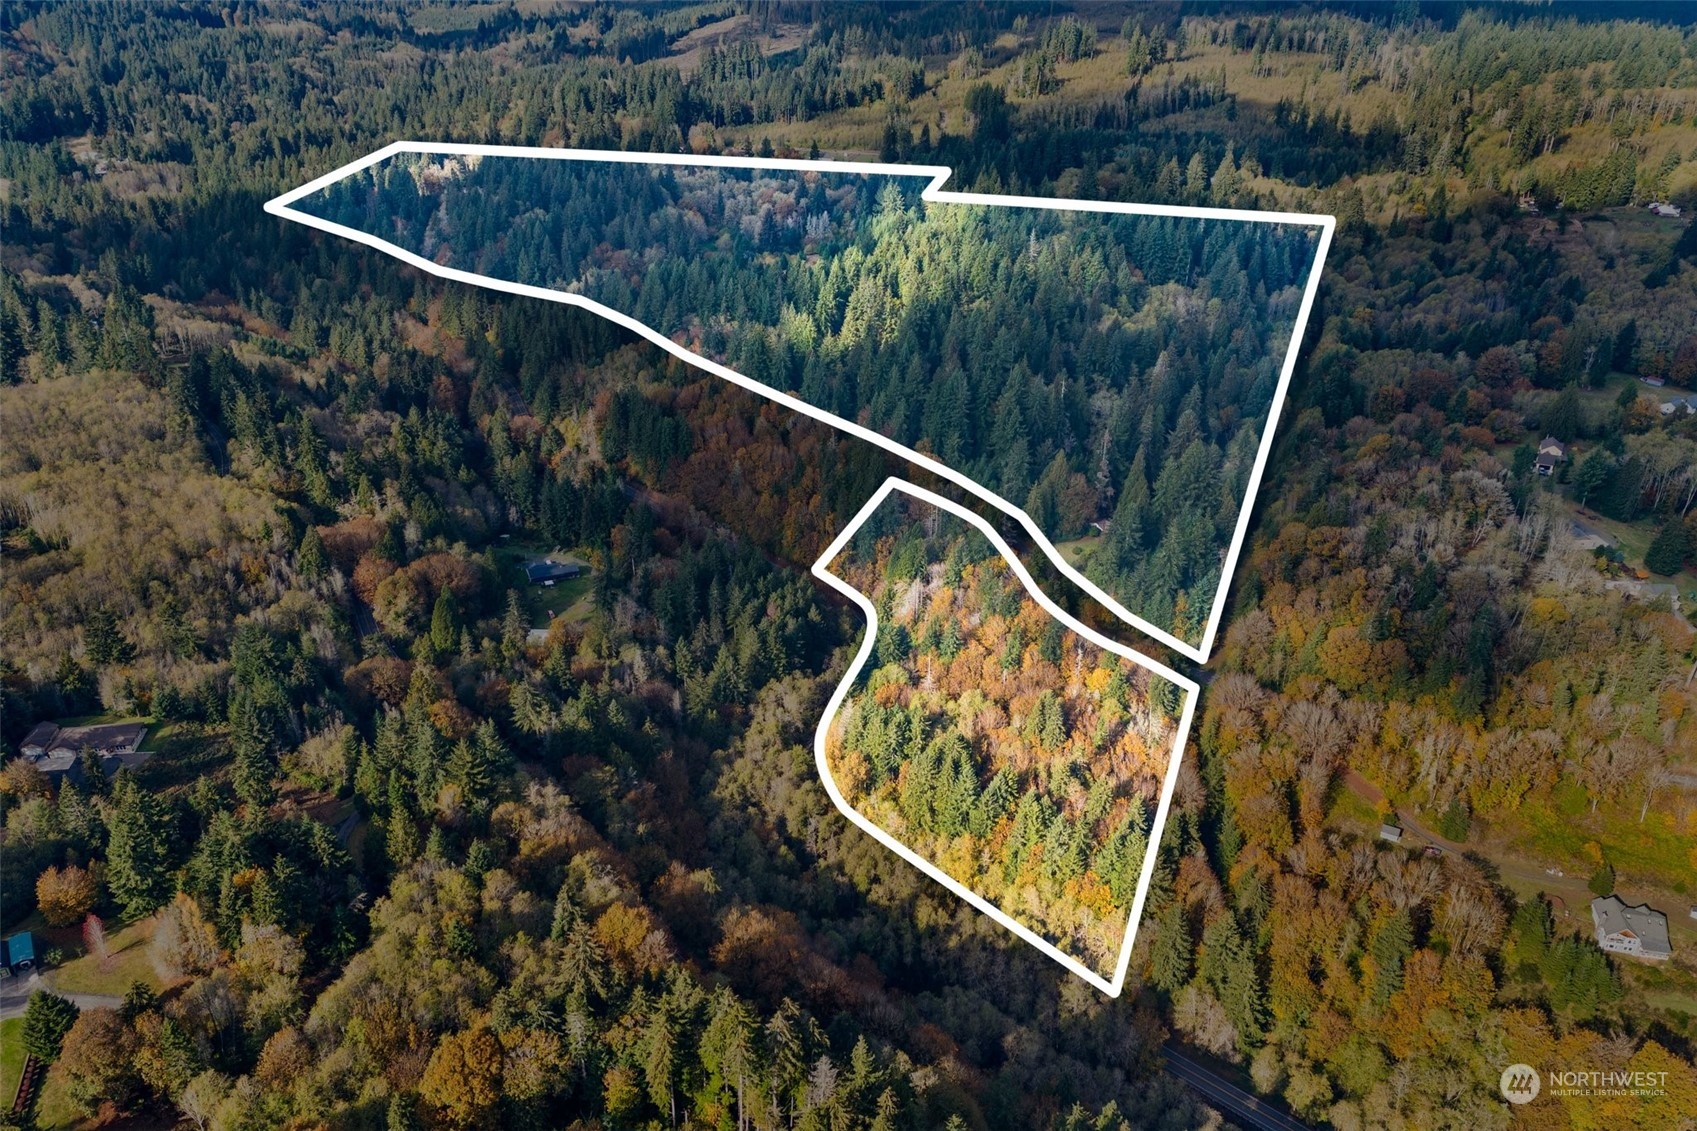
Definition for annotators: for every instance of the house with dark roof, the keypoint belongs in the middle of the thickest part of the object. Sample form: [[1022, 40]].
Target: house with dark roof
[[1551, 452], [1641, 931], [107, 738], [549, 570], [58, 751]]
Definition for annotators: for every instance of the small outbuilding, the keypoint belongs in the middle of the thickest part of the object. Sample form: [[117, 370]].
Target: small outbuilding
[[17, 954], [1392, 833]]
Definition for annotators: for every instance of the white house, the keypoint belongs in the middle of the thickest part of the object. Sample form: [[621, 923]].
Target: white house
[[1663, 208], [1551, 452], [1640, 931]]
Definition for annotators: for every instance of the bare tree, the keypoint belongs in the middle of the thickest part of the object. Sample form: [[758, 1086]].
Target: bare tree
[[1656, 776]]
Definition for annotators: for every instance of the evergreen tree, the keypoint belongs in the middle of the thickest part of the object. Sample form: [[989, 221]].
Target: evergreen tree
[[1667, 553], [137, 851], [1045, 726], [47, 1019], [255, 768], [1593, 472], [1392, 943], [1562, 415], [1169, 959], [992, 805], [402, 1113], [1030, 822], [1228, 967], [444, 622], [957, 788], [728, 1047], [1603, 880], [1119, 861], [310, 557], [102, 641], [401, 839], [1064, 850], [513, 626]]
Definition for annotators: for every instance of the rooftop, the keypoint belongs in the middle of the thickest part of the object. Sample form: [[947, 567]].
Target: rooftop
[[551, 570], [1646, 924], [105, 738]]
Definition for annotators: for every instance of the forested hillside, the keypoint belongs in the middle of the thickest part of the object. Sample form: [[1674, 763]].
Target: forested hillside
[[417, 843], [1094, 368], [1020, 758]]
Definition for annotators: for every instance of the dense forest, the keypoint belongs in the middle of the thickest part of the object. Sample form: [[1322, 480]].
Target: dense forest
[[1018, 757], [412, 846], [1090, 367]]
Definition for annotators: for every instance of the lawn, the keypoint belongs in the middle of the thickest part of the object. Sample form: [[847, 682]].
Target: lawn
[[541, 603], [1668, 988], [12, 1057], [1558, 825], [160, 734], [1350, 810], [1077, 552], [53, 1108], [127, 964], [1634, 540]]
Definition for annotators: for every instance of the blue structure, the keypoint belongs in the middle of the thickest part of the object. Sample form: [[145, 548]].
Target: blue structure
[[17, 954]]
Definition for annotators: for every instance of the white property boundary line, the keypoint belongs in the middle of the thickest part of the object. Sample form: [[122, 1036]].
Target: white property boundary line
[[1111, 987], [282, 206]]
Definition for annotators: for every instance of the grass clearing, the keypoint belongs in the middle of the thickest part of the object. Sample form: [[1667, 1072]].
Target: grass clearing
[[12, 1057], [128, 963], [1350, 809], [161, 735], [1076, 553], [1559, 825], [542, 603], [53, 1108]]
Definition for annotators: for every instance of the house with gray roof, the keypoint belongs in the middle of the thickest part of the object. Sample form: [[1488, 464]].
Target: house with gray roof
[[57, 751], [1641, 931]]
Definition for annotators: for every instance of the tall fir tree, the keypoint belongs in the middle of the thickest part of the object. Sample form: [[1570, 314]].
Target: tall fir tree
[[137, 851]]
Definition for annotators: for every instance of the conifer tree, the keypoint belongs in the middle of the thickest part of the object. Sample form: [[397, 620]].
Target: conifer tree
[[137, 853], [310, 557], [1170, 957], [444, 622], [47, 1019], [102, 640]]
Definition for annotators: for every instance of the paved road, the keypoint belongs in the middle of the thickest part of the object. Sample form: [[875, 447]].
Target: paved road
[[1234, 1103], [14, 995]]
